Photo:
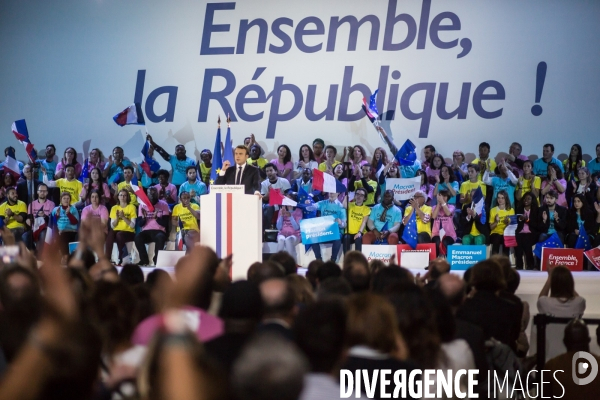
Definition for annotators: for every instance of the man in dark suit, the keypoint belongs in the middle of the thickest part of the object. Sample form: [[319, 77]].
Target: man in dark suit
[[241, 174], [27, 188]]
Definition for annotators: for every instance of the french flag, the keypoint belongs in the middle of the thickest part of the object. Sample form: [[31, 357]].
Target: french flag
[[39, 224], [132, 115], [11, 165], [510, 239], [278, 199], [478, 204], [19, 128], [149, 165], [142, 198], [327, 183]]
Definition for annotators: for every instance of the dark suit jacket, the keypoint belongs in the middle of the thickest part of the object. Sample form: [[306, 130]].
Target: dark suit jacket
[[562, 219], [250, 178], [22, 190]]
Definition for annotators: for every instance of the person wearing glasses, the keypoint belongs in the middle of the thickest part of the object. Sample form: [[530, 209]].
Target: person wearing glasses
[[417, 204], [38, 212]]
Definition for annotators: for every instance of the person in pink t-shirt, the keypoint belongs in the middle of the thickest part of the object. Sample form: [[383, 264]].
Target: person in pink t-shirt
[[95, 209], [288, 223], [96, 181], [284, 162], [442, 214], [154, 226], [166, 191], [38, 211]]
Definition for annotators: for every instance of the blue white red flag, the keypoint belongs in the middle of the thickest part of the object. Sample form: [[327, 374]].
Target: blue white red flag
[[149, 165], [327, 183], [132, 115], [11, 165], [510, 238], [19, 129]]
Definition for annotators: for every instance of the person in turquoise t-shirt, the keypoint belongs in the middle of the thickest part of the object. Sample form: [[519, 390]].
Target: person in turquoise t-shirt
[[193, 185], [332, 207], [179, 162]]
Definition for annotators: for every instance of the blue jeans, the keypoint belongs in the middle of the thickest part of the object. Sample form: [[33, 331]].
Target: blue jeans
[[335, 249]]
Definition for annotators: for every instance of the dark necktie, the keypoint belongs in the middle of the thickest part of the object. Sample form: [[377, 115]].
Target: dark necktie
[[238, 179]]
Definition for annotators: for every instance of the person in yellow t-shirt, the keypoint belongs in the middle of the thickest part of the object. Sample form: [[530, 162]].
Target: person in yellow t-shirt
[[330, 161], [484, 161], [126, 184], [255, 158], [13, 212], [423, 216], [358, 214], [499, 221], [188, 214], [528, 183], [467, 187], [363, 180], [68, 184], [122, 222]]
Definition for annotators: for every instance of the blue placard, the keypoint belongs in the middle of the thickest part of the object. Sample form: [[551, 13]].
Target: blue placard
[[319, 230], [464, 257]]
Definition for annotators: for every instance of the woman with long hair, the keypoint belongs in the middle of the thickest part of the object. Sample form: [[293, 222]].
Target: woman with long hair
[[499, 220], [579, 215], [96, 183], [586, 186], [554, 180], [527, 232], [122, 222], [288, 224], [425, 187], [96, 159], [445, 181], [358, 157], [340, 173], [380, 158], [443, 215], [95, 209], [528, 183], [559, 299], [573, 163], [433, 172], [390, 170], [283, 162], [67, 219], [504, 180], [306, 159], [69, 158]]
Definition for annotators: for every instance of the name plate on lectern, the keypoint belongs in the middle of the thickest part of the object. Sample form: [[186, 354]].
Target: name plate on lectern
[[227, 189]]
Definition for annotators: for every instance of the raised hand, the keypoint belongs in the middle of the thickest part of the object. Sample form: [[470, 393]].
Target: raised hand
[[544, 216], [226, 165]]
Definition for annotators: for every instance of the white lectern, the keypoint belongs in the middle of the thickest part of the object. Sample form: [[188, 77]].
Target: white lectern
[[231, 223]]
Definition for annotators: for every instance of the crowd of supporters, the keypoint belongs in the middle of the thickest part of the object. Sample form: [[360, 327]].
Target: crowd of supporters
[[547, 195]]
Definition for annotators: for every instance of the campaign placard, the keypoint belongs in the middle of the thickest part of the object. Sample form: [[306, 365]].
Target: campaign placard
[[463, 257], [404, 188], [381, 252], [319, 230], [593, 256], [570, 258]]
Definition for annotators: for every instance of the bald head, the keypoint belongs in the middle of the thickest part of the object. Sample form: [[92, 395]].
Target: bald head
[[453, 289], [438, 267], [278, 298]]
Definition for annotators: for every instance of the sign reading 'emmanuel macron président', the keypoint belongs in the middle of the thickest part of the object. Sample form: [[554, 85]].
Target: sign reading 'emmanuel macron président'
[[319, 230], [464, 257]]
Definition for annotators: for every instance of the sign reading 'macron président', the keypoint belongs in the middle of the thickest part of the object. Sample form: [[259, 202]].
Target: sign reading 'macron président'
[[464, 257], [319, 230]]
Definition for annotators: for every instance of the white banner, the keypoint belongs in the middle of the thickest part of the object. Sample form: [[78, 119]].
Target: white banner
[[404, 188]]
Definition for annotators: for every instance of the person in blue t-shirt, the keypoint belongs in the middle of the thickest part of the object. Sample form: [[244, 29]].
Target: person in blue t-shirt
[[540, 166], [193, 185], [48, 163], [113, 170], [179, 162], [332, 207]]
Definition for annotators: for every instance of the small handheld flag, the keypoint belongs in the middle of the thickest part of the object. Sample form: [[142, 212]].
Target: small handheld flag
[[510, 239], [583, 240], [149, 165], [278, 199], [553, 242], [142, 197], [410, 231], [19, 129], [85, 172], [407, 154], [327, 183], [132, 115], [478, 204], [11, 165]]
